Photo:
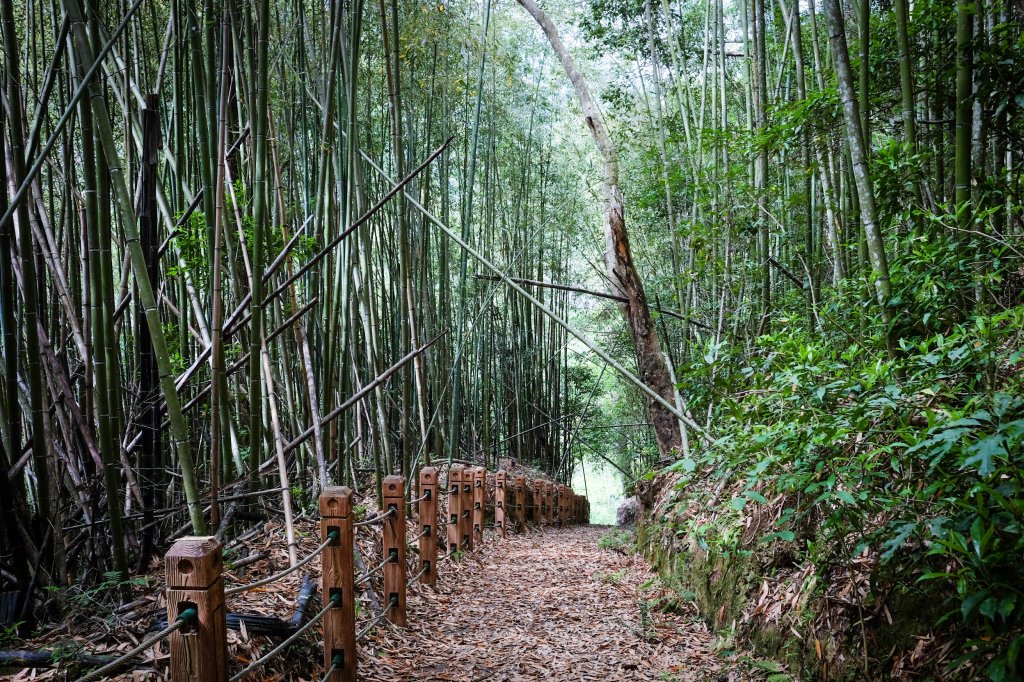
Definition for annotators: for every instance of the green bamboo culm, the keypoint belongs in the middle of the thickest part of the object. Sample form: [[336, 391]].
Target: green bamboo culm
[[30, 310], [260, 195], [104, 130], [101, 296]]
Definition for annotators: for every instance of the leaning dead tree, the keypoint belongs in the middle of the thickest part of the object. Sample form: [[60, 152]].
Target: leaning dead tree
[[622, 274]]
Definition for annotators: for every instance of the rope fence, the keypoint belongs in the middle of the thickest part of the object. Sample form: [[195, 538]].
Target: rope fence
[[184, 619], [194, 567], [376, 619], [333, 602], [373, 571], [331, 538], [374, 520], [336, 662]]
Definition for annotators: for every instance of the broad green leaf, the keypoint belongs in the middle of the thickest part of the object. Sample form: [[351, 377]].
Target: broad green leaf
[[971, 601], [894, 543], [984, 452], [845, 497]]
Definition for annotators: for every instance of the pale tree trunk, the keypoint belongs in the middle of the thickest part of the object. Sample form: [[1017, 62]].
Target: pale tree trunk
[[618, 257], [858, 156]]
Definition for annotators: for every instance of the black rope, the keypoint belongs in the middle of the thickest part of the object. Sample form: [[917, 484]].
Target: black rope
[[379, 518], [183, 619], [332, 537]]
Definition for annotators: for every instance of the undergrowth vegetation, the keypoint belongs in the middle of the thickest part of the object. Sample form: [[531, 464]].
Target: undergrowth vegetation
[[916, 463]]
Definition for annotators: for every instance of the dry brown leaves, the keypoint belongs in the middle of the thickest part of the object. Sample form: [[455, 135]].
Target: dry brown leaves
[[541, 606], [547, 605]]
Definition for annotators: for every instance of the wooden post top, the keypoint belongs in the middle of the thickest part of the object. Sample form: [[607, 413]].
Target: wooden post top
[[520, 481], [428, 475], [194, 563], [501, 475], [336, 501], [394, 486], [479, 475]]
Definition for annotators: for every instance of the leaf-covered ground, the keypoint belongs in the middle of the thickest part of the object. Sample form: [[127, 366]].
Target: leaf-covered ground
[[543, 605], [546, 605]]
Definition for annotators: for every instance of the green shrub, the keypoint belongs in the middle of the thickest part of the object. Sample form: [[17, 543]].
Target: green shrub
[[621, 541], [918, 459]]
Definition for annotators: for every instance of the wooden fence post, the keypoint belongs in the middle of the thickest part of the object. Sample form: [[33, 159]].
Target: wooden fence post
[[466, 511], [394, 548], [500, 498], [194, 577], [527, 504], [512, 522], [538, 501], [479, 501], [337, 578], [521, 503], [454, 507], [558, 504], [543, 520], [428, 525], [549, 493]]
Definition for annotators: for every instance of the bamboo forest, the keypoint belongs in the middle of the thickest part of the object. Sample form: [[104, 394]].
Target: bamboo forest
[[512, 340]]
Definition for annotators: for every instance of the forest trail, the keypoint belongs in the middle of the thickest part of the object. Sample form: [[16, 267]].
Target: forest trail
[[544, 606]]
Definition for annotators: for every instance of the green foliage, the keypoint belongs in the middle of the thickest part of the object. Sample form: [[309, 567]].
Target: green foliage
[[621, 541], [65, 651], [83, 596], [9, 634], [613, 578], [775, 670], [647, 629], [918, 461], [191, 239]]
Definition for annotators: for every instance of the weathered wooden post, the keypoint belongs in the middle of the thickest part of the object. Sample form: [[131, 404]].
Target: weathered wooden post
[[454, 507], [549, 494], [394, 549], [521, 503], [466, 511], [558, 504], [500, 499], [479, 502], [538, 501], [337, 580], [539, 485], [194, 573], [428, 525], [512, 522]]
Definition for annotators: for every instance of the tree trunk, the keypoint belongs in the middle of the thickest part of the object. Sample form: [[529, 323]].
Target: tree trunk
[[618, 256], [859, 163], [907, 95], [964, 102]]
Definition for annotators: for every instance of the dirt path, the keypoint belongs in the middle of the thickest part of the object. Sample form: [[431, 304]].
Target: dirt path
[[543, 606]]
